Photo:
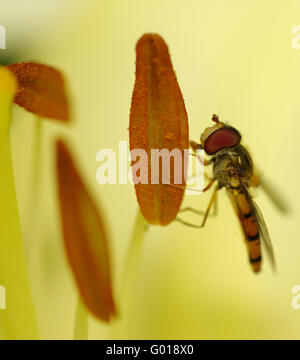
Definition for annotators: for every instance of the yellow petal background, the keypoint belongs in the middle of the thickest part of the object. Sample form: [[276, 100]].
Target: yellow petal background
[[233, 58]]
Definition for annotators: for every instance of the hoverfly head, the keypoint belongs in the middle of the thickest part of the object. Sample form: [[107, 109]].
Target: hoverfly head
[[219, 137]]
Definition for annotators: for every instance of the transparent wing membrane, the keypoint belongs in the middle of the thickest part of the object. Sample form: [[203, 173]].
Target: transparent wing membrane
[[274, 195], [264, 233]]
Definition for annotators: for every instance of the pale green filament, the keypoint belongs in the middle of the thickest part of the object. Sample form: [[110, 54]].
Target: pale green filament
[[129, 278], [81, 322], [17, 321]]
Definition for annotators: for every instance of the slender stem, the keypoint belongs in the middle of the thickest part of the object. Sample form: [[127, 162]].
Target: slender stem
[[130, 274], [37, 155], [81, 322], [133, 255], [33, 213], [18, 320]]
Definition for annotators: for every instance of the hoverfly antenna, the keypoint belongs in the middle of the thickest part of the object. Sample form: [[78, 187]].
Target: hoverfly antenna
[[215, 118]]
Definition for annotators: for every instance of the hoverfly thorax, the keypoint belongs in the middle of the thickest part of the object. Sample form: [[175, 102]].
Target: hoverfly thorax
[[233, 167]]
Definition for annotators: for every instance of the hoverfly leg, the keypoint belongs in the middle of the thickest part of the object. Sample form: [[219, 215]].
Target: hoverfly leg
[[211, 202], [183, 222], [195, 211], [195, 146], [183, 187], [205, 215], [209, 185], [215, 210]]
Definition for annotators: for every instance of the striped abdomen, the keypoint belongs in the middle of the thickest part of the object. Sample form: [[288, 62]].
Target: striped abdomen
[[250, 228]]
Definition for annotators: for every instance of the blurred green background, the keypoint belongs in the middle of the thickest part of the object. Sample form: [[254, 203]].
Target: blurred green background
[[231, 57]]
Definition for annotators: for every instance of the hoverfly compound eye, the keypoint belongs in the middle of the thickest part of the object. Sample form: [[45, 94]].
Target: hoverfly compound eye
[[209, 130], [221, 138]]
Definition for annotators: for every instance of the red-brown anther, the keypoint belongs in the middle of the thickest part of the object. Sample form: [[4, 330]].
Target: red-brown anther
[[158, 120], [41, 90], [85, 238]]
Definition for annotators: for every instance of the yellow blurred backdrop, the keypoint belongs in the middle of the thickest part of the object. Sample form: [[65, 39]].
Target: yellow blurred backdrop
[[234, 58]]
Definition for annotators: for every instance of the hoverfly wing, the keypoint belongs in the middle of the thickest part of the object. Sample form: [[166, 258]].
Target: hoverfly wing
[[274, 195], [262, 227], [264, 233]]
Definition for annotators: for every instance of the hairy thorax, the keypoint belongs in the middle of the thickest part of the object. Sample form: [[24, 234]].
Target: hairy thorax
[[233, 167]]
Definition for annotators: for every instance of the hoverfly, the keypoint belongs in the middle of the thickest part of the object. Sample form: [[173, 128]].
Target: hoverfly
[[233, 170]]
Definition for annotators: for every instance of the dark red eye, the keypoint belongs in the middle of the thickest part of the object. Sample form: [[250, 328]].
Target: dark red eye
[[220, 139]]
